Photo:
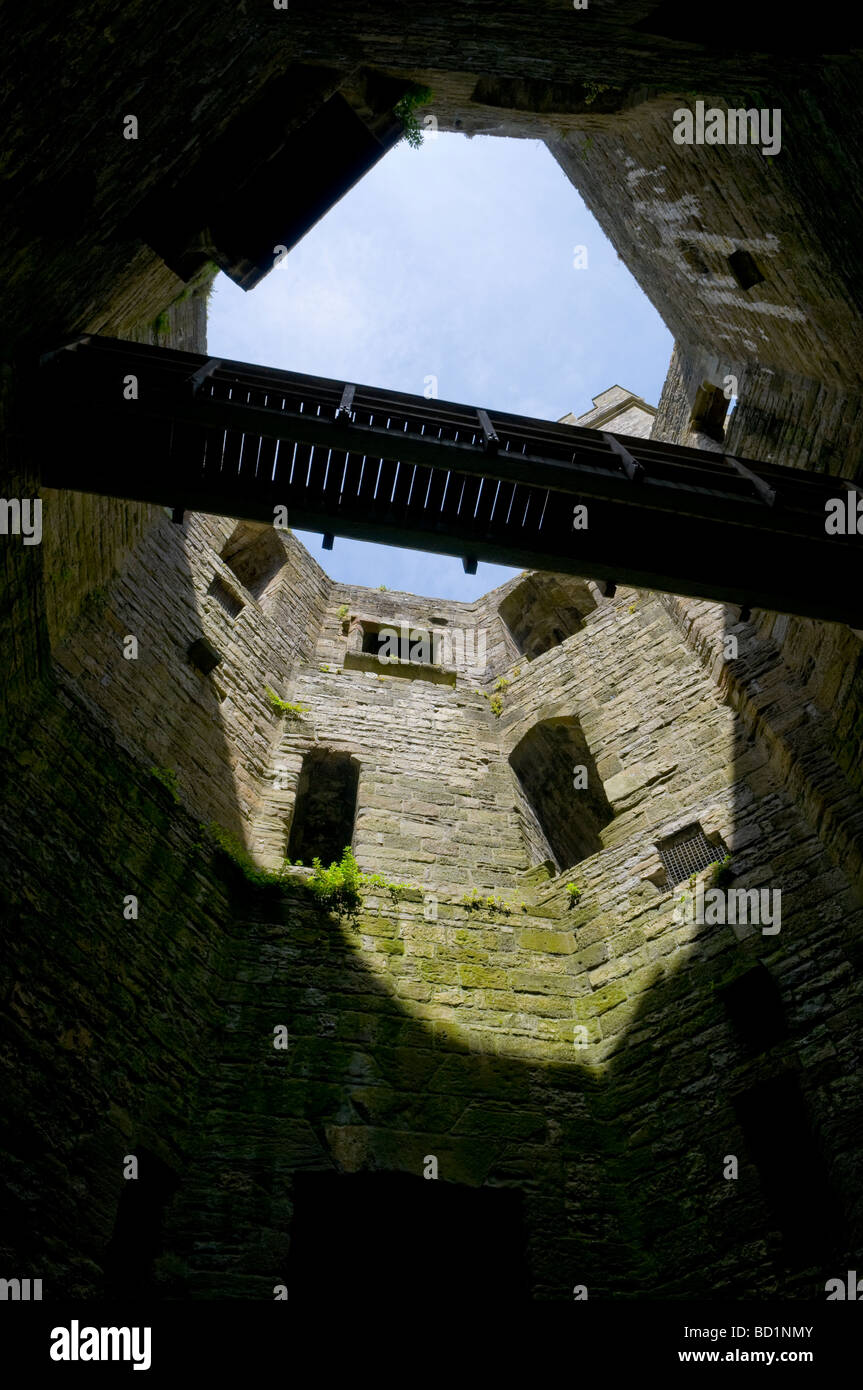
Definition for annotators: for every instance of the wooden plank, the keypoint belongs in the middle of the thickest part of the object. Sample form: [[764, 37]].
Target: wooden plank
[[518, 503], [317, 471], [436, 491], [386, 482], [765, 492], [402, 489], [368, 480], [352, 480], [266, 454], [634, 470], [484, 504], [452, 497], [283, 467], [335, 472], [344, 410], [491, 441], [467, 502], [419, 488], [198, 377]]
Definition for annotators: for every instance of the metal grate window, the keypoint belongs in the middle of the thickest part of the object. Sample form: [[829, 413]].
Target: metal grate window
[[223, 596], [687, 853]]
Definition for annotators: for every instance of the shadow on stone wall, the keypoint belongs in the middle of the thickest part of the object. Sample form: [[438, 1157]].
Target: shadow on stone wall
[[157, 1034], [622, 1168], [112, 929]]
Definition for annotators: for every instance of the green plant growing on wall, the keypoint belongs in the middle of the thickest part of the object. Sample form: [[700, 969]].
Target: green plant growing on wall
[[339, 887], [292, 708], [495, 701], [168, 778], [516, 672], [404, 111], [343, 611], [230, 846], [502, 683], [203, 279], [474, 900], [593, 90], [721, 872], [574, 891], [382, 588], [325, 666], [688, 890], [395, 890]]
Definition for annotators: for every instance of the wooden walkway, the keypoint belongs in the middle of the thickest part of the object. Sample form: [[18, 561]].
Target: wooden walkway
[[349, 460]]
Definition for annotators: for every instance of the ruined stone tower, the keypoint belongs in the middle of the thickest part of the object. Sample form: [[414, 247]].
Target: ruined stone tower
[[520, 1040]]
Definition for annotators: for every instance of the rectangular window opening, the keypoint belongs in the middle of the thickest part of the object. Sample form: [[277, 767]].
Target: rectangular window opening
[[754, 1007], [322, 824], [744, 269], [688, 852], [225, 598], [137, 1236], [779, 1136]]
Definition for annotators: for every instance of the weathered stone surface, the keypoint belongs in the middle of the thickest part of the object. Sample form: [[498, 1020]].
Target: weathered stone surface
[[577, 1048]]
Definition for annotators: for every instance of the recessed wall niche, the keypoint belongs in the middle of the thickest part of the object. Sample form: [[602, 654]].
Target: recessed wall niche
[[560, 821], [255, 553], [543, 611]]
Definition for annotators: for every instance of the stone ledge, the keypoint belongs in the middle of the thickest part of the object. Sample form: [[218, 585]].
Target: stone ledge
[[416, 670]]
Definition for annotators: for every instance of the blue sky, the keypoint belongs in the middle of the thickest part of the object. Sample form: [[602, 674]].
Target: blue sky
[[453, 261]]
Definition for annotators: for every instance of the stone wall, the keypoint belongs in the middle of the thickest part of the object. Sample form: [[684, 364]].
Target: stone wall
[[85, 539], [106, 1016], [453, 1035], [617, 410], [443, 1023], [579, 1047], [795, 683]]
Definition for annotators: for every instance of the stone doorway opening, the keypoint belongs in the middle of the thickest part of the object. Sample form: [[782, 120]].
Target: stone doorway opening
[[774, 1119], [137, 1237], [398, 1236], [326, 806]]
